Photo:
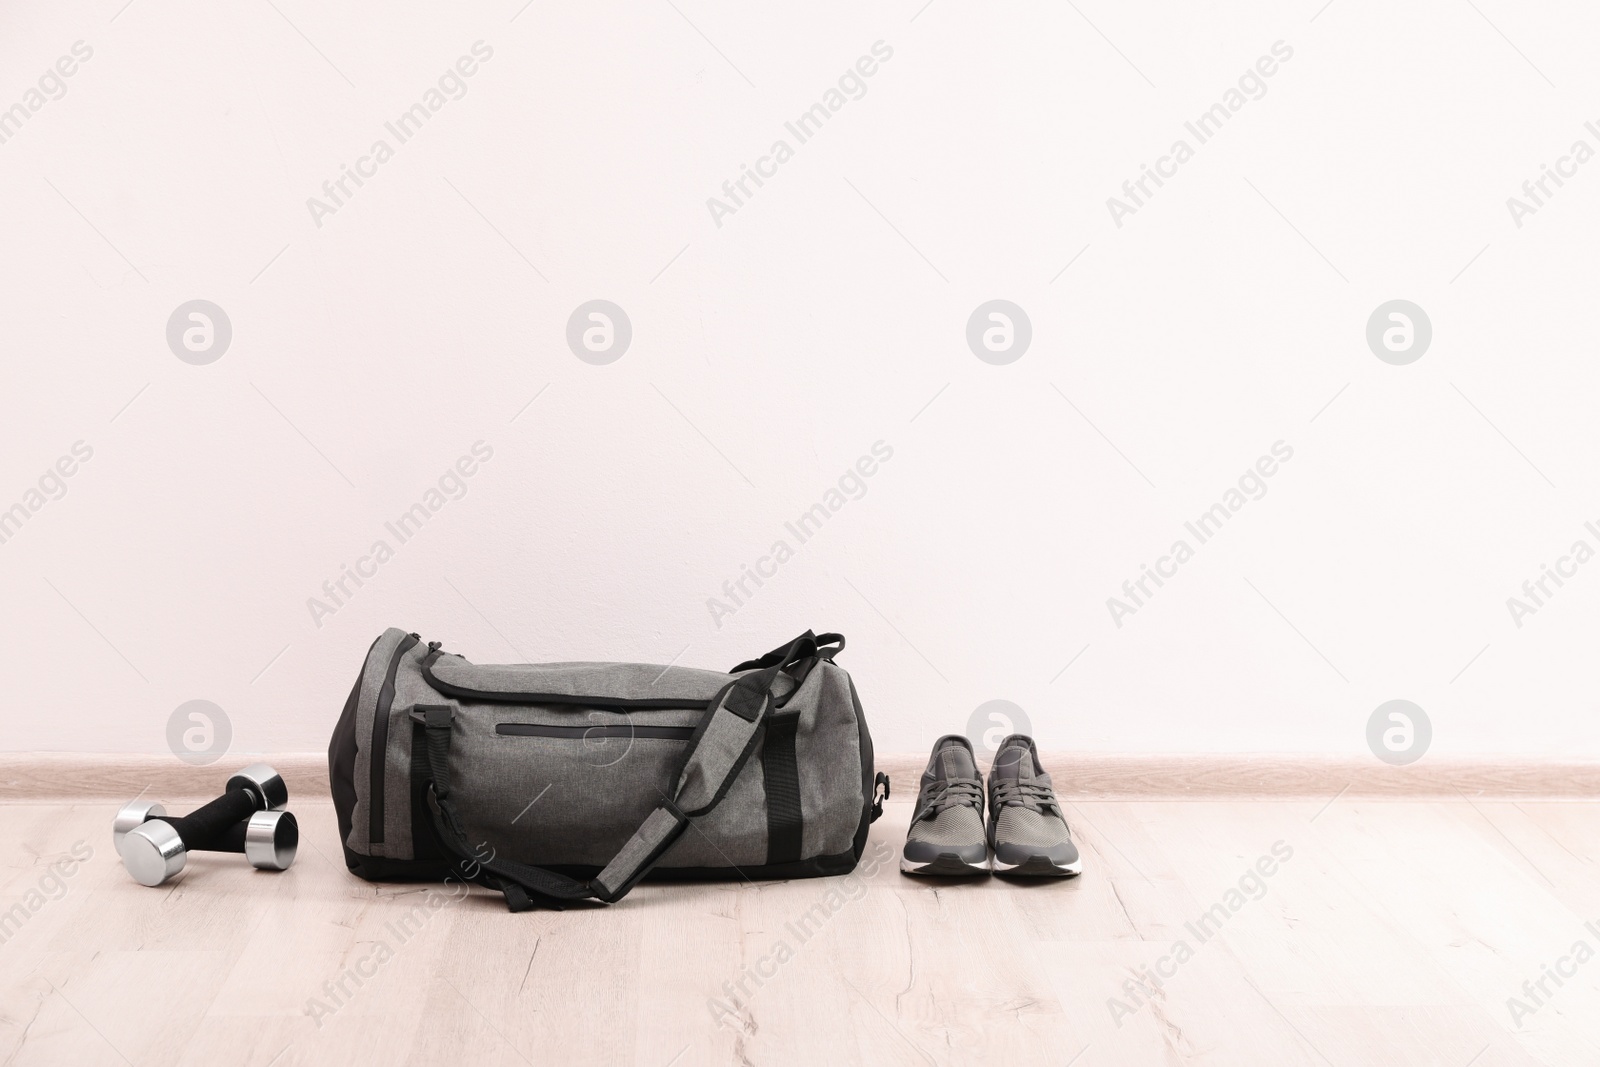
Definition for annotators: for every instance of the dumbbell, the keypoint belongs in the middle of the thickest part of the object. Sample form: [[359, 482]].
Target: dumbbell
[[264, 783], [154, 847]]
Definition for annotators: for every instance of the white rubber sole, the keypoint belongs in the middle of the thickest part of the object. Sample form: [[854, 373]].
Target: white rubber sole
[[1038, 867], [945, 865]]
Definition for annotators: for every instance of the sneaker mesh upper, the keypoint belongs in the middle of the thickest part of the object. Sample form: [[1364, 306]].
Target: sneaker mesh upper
[[1019, 795], [1033, 829], [952, 826]]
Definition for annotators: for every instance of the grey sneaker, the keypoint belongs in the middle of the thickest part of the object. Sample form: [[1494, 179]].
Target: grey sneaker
[[946, 835], [1026, 827]]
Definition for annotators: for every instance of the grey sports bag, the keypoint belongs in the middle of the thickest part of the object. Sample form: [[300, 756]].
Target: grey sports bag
[[567, 781]]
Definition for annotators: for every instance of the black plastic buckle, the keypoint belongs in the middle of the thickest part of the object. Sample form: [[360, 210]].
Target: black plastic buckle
[[434, 716], [880, 793]]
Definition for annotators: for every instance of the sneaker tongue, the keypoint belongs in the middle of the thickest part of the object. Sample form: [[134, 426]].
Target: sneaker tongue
[[1013, 763], [955, 761]]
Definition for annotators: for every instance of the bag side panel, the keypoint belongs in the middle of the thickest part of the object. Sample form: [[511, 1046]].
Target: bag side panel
[[409, 690], [828, 751], [356, 837]]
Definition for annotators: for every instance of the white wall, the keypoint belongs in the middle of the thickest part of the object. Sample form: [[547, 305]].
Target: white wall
[[827, 313]]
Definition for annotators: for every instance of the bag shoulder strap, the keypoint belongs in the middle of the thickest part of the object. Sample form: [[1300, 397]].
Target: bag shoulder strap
[[717, 752]]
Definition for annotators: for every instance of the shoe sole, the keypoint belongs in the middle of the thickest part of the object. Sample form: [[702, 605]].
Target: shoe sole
[[946, 865], [1039, 867]]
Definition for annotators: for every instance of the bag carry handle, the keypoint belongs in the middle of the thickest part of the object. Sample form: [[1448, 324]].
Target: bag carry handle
[[777, 654], [718, 750]]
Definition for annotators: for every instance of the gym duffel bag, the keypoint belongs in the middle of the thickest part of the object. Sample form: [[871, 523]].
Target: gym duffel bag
[[568, 781]]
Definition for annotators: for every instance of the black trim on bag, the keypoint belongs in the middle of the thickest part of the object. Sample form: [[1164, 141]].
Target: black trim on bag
[[868, 775], [780, 773], [380, 740], [383, 869], [495, 696], [425, 843], [342, 748], [533, 729]]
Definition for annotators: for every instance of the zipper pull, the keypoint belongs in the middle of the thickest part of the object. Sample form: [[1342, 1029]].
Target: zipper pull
[[880, 793]]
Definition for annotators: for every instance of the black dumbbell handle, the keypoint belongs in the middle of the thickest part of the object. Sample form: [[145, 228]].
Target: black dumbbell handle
[[231, 839], [203, 828]]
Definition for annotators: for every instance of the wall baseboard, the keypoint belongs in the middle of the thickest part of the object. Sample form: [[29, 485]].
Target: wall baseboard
[[69, 776]]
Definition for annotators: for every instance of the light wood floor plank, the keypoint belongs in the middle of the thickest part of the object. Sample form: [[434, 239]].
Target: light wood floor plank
[[1393, 935]]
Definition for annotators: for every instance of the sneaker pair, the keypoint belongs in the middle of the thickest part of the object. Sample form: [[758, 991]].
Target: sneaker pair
[[1025, 828]]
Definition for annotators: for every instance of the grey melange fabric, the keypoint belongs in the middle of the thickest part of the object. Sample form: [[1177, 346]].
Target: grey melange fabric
[[1024, 826], [953, 826]]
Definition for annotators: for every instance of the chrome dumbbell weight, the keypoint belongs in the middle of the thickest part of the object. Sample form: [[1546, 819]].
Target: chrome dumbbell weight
[[155, 847]]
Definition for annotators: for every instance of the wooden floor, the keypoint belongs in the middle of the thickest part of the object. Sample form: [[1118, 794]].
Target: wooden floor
[[1389, 932]]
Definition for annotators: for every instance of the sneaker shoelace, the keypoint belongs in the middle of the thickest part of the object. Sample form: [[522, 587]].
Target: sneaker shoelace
[[951, 793], [1032, 795]]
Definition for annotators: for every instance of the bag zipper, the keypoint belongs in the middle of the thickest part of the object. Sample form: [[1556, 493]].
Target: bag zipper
[[380, 739], [579, 733], [491, 696]]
